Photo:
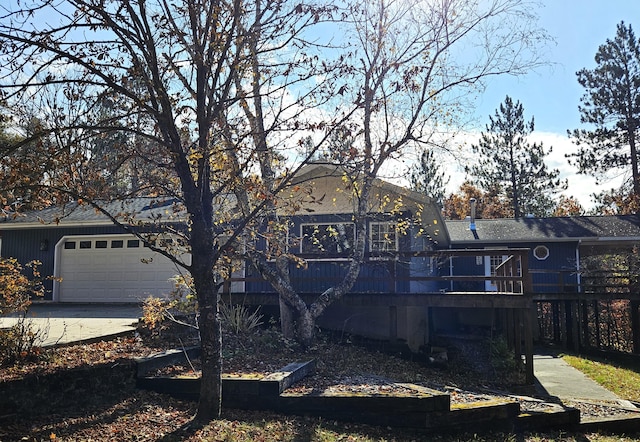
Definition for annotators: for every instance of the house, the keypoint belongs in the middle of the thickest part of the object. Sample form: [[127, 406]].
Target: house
[[572, 299], [320, 228], [423, 277]]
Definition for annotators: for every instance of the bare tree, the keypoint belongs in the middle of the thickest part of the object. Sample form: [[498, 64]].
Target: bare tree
[[409, 68], [180, 75]]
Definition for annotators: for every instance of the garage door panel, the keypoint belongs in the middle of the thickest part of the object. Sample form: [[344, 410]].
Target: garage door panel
[[113, 274]]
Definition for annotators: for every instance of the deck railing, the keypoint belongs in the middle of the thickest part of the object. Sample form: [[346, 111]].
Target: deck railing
[[511, 277]]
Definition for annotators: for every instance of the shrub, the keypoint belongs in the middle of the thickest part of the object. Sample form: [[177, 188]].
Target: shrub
[[16, 288], [239, 319], [19, 342], [182, 304], [157, 311], [504, 362]]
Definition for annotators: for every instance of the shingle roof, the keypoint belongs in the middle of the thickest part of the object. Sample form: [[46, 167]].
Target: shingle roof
[[546, 229], [74, 213]]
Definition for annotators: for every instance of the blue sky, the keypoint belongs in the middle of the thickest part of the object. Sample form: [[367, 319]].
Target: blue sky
[[552, 94]]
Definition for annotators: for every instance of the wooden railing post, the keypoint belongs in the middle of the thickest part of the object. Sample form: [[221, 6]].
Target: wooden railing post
[[528, 348]]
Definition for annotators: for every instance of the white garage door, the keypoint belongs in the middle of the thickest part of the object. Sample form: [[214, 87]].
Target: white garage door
[[110, 268]]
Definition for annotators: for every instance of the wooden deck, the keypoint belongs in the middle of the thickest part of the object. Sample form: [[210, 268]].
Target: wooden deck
[[516, 301]]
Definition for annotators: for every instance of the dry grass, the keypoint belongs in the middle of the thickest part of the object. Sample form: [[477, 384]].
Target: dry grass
[[621, 380]]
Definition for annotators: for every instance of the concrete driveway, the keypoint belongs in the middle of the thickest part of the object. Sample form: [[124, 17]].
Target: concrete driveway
[[67, 323]]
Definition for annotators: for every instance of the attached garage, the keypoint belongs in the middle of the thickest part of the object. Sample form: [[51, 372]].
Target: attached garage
[[109, 268]]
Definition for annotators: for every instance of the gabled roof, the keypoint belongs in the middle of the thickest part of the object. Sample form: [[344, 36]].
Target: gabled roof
[[73, 213], [323, 170], [578, 228], [431, 217]]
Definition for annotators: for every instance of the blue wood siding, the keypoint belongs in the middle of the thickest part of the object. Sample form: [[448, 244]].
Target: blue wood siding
[[557, 272]]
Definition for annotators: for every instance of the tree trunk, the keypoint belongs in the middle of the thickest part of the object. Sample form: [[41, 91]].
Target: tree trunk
[[635, 175], [203, 258], [286, 320], [210, 405], [287, 314], [306, 326]]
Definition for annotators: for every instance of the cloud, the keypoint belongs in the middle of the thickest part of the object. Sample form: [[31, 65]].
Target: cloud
[[580, 186], [459, 153]]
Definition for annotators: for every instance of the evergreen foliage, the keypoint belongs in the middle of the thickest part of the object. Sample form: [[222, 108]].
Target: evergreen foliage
[[427, 177], [507, 164], [610, 108]]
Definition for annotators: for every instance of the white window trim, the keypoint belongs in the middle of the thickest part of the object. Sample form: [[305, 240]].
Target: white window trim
[[387, 224], [541, 247]]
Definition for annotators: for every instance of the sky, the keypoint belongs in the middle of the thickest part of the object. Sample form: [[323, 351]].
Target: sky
[[552, 94]]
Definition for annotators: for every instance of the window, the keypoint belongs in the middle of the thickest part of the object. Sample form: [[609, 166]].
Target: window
[[494, 262], [85, 244], [541, 252], [327, 238], [383, 237], [101, 244], [69, 245], [133, 243], [117, 244]]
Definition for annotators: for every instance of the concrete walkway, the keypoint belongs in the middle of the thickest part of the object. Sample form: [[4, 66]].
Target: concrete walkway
[[67, 323]]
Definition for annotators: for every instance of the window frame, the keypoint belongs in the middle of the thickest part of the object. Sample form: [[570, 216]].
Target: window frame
[[390, 227], [540, 247]]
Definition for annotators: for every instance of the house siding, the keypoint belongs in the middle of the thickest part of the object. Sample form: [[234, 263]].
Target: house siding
[[556, 273]]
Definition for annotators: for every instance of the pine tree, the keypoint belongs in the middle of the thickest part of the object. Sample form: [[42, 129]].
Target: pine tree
[[427, 177], [611, 107], [506, 161]]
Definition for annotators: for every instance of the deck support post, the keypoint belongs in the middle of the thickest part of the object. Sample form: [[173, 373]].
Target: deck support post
[[555, 319], [393, 324], [510, 328], [584, 321], [518, 323], [571, 325], [528, 346]]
